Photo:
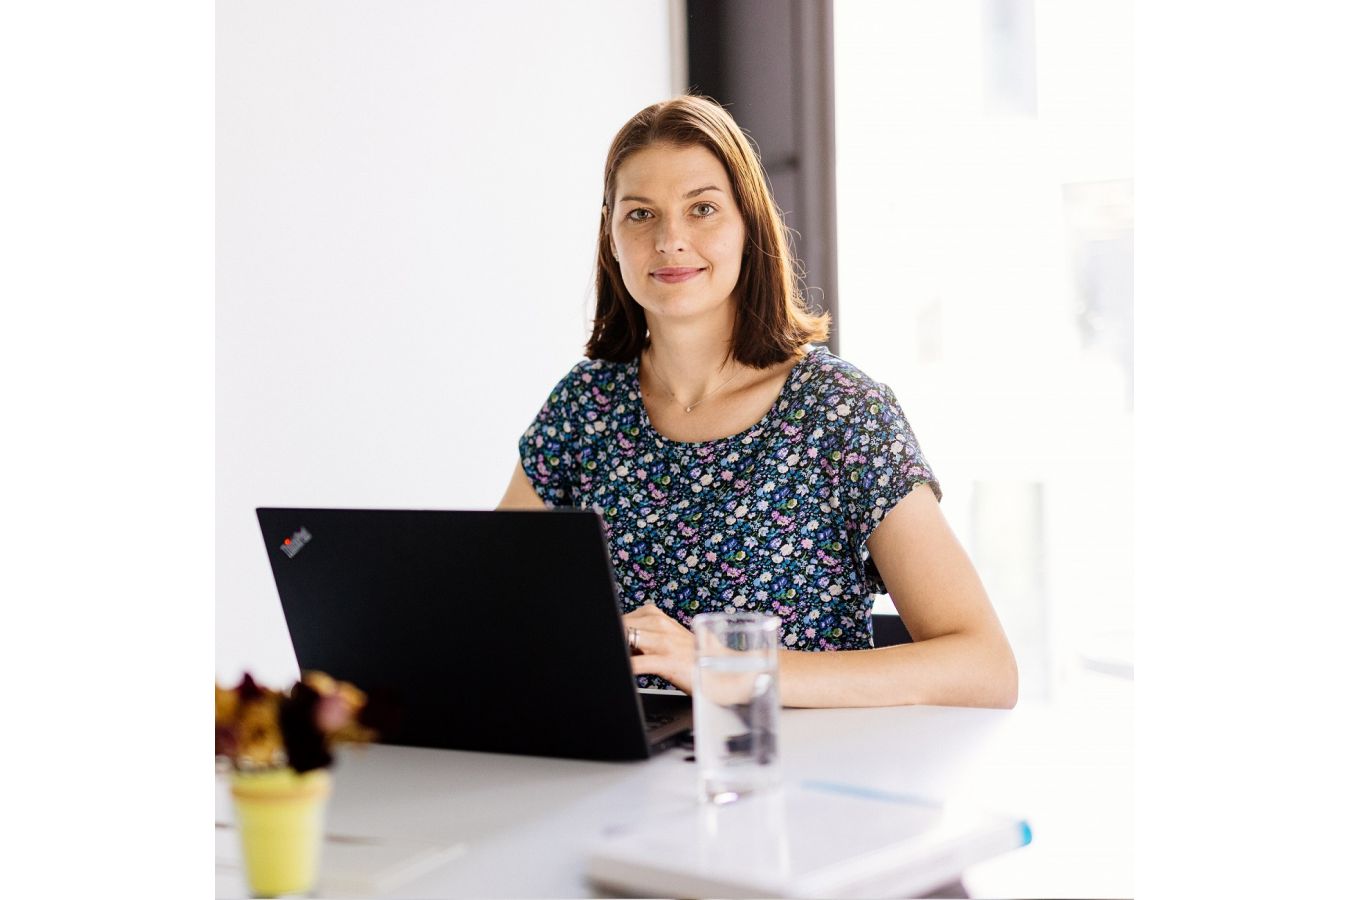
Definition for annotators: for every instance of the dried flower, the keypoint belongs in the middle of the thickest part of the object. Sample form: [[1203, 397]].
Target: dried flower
[[259, 728]]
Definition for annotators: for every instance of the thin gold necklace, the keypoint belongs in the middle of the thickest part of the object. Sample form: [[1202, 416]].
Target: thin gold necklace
[[690, 407]]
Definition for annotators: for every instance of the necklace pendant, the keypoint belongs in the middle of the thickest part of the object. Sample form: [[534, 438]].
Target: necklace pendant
[[688, 409]]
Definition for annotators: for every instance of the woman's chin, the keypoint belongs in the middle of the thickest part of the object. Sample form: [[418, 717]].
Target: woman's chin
[[684, 310]]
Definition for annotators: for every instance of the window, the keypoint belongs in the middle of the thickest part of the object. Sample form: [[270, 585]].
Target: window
[[985, 235]]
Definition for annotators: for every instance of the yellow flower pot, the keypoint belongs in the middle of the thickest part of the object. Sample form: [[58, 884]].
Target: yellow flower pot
[[279, 815]]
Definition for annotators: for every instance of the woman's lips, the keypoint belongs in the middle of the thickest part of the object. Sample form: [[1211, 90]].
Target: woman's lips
[[675, 274]]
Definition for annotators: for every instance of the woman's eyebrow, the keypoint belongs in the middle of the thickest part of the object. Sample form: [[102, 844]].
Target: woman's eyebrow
[[694, 193], [697, 191]]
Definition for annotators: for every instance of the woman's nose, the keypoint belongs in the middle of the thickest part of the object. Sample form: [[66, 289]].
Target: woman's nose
[[671, 236]]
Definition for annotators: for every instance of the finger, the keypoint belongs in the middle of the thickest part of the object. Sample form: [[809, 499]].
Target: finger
[[652, 662], [650, 641], [634, 638], [664, 666], [653, 643], [645, 665]]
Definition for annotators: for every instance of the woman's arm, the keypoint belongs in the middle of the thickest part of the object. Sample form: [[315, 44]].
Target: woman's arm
[[960, 655], [520, 494]]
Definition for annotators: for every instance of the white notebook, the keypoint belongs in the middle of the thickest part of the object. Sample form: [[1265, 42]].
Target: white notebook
[[811, 839]]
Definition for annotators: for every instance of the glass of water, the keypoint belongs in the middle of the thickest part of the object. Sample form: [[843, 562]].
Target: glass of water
[[736, 704]]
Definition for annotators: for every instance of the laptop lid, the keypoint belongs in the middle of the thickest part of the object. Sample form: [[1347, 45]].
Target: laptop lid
[[496, 631]]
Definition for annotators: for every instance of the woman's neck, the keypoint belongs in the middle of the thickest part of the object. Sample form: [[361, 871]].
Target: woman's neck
[[691, 361]]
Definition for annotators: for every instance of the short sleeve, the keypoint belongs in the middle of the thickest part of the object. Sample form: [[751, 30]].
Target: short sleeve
[[547, 448], [883, 464]]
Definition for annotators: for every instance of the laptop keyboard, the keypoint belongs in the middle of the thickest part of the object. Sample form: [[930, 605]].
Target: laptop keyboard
[[656, 720]]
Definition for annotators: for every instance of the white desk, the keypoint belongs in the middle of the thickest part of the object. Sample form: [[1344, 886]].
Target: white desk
[[518, 826]]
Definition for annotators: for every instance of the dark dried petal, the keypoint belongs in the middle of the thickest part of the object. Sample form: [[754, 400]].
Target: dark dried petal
[[248, 689], [306, 746], [227, 744]]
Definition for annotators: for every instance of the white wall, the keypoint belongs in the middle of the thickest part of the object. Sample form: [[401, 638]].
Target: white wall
[[407, 198]]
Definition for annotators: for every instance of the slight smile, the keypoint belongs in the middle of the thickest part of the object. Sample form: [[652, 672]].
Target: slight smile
[[675, 274]]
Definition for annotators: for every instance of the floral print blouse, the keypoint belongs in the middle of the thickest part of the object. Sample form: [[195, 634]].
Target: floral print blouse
[[774, 519]]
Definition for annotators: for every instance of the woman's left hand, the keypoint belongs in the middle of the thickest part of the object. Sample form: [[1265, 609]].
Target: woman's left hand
[[664, 647]]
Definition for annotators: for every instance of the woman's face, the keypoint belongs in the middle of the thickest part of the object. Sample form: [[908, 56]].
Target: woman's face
[[676, 231]]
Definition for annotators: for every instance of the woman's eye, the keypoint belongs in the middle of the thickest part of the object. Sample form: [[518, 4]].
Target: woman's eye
[[704, 209], [640, 215]]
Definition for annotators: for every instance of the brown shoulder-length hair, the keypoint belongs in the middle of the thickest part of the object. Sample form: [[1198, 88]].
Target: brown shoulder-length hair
[[772, 320]]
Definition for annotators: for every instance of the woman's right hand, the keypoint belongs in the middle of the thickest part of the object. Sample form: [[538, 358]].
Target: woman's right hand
[[665, 647]]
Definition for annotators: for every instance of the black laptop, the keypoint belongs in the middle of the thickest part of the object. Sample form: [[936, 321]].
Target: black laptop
[[494, 631]]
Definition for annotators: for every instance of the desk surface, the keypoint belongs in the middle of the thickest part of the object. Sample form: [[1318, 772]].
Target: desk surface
[[519, 826]]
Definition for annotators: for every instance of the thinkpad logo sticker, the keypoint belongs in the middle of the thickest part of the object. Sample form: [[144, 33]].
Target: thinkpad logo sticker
[[296, 542]]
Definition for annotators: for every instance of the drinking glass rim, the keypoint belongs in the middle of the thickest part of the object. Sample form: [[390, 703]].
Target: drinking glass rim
[[752, 619]]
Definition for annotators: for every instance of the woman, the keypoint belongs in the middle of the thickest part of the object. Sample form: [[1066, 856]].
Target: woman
[[737, 466]]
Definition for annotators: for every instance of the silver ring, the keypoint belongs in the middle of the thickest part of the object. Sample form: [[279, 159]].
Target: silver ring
[[633, 639]]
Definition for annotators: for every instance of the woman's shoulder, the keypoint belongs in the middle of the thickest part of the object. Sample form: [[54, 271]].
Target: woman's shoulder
[[828, 376], [591, 380], [588, 370]]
